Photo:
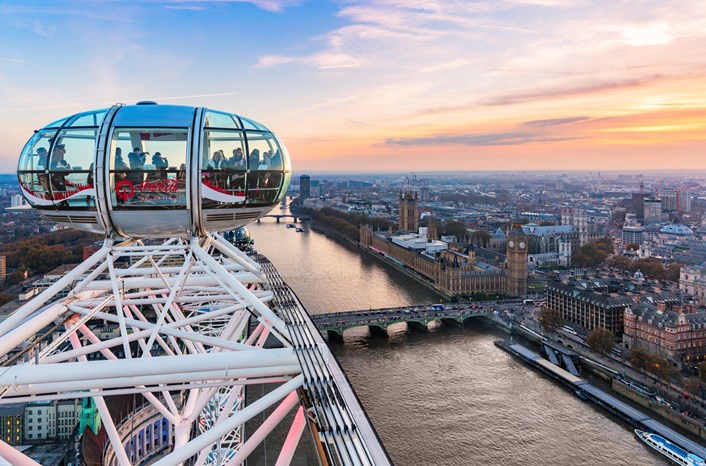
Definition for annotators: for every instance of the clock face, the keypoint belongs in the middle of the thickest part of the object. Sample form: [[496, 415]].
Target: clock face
[[511, 244], [522, 244]]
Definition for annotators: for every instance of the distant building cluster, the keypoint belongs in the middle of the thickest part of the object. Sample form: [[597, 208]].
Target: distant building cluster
[[451, 269]]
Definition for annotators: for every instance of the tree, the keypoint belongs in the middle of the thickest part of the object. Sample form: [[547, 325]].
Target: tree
[[550, 318], [601, 340], [693, 385], [457, 229], [16, 277], [661, 368], [621, 263], [639, 359], [672, 272]]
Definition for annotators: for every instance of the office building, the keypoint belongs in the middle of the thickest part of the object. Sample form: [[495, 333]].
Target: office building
[[653, 211], [669, 201], [305, 187]]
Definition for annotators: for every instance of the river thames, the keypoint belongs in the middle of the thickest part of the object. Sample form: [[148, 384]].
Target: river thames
[[450, 396]]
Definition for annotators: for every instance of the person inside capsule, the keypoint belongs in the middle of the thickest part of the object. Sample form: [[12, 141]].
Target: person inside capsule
[[58, 180]]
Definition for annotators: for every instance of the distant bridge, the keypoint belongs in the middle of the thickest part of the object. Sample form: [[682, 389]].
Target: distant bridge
[[335, 323], [295, 218]]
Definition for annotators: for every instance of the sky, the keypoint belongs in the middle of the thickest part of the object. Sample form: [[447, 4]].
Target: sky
[[381, 85]]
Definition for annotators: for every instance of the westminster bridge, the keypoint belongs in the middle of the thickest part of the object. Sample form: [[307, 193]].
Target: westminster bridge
[[416, 317]]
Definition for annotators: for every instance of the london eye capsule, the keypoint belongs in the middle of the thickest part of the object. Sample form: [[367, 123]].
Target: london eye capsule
[[149, 170]]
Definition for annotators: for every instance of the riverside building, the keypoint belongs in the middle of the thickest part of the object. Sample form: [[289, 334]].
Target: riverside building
[[600, 301], [453, 271], [674, 334]]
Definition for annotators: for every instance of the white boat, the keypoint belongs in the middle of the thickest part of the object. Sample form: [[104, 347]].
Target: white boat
[[290, 225], [675, 453]]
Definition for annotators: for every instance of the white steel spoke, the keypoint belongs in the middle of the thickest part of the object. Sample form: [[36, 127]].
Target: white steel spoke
[[182, 324]]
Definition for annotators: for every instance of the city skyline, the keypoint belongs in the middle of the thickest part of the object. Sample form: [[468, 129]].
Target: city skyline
[[371, 85]]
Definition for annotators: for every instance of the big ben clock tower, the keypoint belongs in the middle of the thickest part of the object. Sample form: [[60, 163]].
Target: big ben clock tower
[[516, 263]]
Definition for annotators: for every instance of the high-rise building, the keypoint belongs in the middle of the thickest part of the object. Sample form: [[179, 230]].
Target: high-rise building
[[637, 204], [305, 187], [685, 201], [17, 200], [424, 194], [516, 263], [653, 211], [669, 201], [409, 211]]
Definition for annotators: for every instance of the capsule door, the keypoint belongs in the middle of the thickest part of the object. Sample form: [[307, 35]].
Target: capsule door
[[148, 181]]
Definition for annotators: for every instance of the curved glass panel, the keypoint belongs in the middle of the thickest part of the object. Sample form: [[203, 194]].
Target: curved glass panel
[[285, 155], [148, 168], [265, 153], [71, 168], [251, 124], [284, 187], [219, 120], [265, 167], [33, 169], [94, 118], [223, 169], [263, 187], [57, 123]]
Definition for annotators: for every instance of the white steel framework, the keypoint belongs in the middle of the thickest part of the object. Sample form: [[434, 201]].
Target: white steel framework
[[191, 329], [181, 310]]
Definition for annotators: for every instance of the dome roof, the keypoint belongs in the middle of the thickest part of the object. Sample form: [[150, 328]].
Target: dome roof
[[677, 229]]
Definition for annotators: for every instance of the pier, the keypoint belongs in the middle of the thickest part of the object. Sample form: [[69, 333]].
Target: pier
[[586, 391]]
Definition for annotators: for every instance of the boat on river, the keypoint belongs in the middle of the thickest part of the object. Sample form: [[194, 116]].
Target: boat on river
[[675, 453]]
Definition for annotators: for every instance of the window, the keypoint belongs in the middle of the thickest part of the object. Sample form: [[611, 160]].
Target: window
[[33, 170], [223, 169], [148, 168], [265, 167], [65, 173]]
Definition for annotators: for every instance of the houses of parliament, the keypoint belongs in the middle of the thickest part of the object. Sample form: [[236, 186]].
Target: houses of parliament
[[451, 268]]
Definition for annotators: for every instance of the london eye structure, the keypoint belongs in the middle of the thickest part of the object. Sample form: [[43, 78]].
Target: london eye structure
[[167, 309]]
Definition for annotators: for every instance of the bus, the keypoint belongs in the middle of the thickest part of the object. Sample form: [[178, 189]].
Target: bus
[[528, 302], [567, 329]]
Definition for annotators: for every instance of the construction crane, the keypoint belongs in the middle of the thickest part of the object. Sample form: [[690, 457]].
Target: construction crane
[[658, 188], [679, 190]]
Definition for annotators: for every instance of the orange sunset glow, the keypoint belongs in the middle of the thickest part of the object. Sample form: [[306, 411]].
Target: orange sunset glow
[[373, 85]]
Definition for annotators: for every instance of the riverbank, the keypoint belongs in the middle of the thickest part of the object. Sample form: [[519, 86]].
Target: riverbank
[[337, 236]]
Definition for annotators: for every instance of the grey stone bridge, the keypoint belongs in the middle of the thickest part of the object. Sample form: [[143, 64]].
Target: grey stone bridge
[[295, 218], [417, 317]]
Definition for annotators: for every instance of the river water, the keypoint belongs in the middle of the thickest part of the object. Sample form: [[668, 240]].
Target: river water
[[447, 397]]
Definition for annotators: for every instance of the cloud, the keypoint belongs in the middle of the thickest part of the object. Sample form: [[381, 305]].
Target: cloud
[[554, 121], [570, 91], [322, 60], [17, 60], [489, 139], [274, 6], [184, 7]]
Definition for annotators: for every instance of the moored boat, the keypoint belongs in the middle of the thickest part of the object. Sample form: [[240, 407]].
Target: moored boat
[[674, 452]]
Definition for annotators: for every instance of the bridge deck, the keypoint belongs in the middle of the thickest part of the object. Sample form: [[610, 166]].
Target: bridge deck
[[383, 317]]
